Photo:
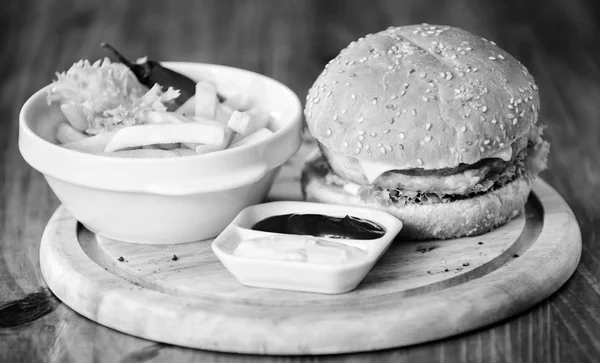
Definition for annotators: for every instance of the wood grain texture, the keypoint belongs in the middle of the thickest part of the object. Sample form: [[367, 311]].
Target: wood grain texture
[[556, 39], [181, 294]]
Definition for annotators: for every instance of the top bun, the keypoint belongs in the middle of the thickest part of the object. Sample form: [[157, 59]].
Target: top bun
[[422, 96]]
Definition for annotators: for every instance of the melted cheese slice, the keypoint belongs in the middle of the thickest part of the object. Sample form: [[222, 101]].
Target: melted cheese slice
[[373, 170]]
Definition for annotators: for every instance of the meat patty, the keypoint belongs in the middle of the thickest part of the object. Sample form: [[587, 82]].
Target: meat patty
[[464, 179]]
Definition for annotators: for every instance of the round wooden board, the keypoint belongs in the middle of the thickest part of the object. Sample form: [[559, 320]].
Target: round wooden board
[[419, 291]]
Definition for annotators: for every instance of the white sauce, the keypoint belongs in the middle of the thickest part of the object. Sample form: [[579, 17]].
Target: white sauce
[[296, 248]]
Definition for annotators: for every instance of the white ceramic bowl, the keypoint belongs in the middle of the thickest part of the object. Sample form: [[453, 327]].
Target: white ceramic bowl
[[171, 200]]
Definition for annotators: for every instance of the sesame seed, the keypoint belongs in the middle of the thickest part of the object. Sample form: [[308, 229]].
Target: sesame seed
[[500, 56], [534, 87], [428, 138], [453, 56], [346, 143], [419, 161], [375, 100], [448, 76], [379, 144], [402, 135], [428, 90], [335, 117], [442, 74], [456, 90], [515, 121], [353, 96], [344, 111], [367, 147], [347, 84], [425, 99], [382, 149], [482, 149], [492, 58], [406, 85], [357, 151], [316, 100], [389, 147], [521, 90], [469, 48], [486, 142], [484, 109], [361, 137], [393, 97], [427, 126], [494, 121], [359, 144], [461, 74], [510, 115], [463, 129], [511, 107], [501, 144], [373, 134], [522, 113], [424, 74], [492, 42], [475, 69], [386, 131], [502, 127], [414, 112], [403, 92], [533, 108], [361, 132], [328, 132]]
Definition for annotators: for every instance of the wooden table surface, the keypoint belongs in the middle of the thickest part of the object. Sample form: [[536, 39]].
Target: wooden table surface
[[291, 41]]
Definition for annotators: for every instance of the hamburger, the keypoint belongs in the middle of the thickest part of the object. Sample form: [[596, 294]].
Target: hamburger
[[430, 123]]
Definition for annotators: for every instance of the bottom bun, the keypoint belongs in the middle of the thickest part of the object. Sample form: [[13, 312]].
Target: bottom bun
[[465, 217]]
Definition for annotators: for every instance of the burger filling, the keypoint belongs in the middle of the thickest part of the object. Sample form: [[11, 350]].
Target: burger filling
[[421, 186]]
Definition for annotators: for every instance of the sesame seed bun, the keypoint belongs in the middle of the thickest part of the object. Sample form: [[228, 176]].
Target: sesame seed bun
[[422, 96], [466, 217]]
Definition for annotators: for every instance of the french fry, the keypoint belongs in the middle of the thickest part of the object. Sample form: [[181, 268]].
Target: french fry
[[75, 116], [239, 122], [254, 137], [163, 118], [66, 133], [223, 113], [238, 102], [192, 132], [205, 149], [206, 99], [188, 108], [92, 144], [260, 118]]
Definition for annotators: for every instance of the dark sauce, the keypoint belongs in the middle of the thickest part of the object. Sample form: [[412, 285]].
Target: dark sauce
[[319, 225]]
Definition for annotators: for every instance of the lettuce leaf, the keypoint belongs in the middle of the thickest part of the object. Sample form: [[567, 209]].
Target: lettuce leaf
[[108, 94]]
